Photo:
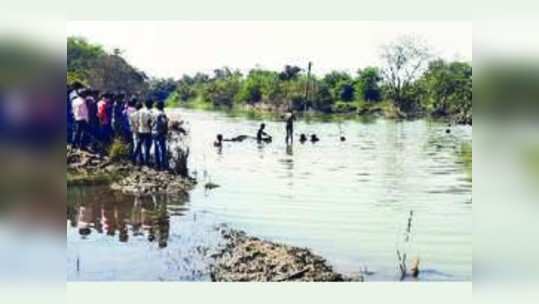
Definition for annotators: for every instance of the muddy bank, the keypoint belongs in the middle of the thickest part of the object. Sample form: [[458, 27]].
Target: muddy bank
[[86, 168], [145, 181], [245, 258]]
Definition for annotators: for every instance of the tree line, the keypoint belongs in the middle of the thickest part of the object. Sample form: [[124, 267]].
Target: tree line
[[410, 82]]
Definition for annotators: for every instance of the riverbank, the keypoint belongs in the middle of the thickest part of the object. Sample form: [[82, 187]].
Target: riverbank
[[246, 258], [343, 111], [86, 168]]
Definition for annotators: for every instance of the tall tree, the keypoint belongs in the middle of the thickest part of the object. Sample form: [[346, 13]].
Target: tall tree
[[448, 89], [404, 61]]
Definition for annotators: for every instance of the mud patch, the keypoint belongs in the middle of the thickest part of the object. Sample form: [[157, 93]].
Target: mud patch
[[245, 258]]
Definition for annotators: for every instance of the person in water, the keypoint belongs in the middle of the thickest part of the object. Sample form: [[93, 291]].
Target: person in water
[[261, 135], [238, 138], [289, 118], [314, 138], [218, 141], [302, 138], [343, 138]]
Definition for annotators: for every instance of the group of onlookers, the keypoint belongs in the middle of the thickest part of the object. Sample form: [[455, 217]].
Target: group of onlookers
[[95, 119]]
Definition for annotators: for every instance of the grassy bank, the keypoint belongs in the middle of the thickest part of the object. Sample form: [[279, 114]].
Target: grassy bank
[[343, 111], [91, 179]]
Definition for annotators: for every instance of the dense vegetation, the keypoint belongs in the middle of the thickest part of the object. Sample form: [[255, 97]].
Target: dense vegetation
[[409, 83], [90, 64]]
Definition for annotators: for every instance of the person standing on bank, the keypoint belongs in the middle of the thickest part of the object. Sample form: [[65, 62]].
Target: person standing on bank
[[145, 116], [81, 119], [159, 136], [136, 152], [104, 115]]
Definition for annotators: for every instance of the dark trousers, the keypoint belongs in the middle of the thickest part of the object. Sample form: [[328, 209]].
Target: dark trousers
[[145, 141], [80, 134], [160, 148], [289, 134], [69, 131], [106, 134]]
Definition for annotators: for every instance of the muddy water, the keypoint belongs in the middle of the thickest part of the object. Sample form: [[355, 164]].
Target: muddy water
[[347, 201]]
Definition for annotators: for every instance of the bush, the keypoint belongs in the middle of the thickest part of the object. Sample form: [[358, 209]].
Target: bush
[[118, 150], [344, 107]]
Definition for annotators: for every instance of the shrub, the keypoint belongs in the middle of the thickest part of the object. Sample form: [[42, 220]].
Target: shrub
[[344, 107], [118, 150]]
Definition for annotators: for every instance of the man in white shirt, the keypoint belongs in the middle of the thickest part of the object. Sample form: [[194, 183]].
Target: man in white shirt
[[81, 119], [136, 153], [145, 116]]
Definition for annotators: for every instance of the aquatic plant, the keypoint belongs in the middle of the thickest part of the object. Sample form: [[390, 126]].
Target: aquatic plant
[[403, 256]]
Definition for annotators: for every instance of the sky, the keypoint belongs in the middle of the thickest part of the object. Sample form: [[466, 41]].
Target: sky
[[174, 48]]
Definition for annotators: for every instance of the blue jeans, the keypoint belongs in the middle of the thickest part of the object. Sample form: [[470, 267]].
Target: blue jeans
[[160, 148], [145, 140], [136, 152], [79, 136], [106, 134]]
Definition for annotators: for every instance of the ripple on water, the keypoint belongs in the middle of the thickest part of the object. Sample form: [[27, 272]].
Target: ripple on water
[[347, 201]]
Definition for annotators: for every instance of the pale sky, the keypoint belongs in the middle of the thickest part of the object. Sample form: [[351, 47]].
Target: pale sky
[[174, 48]]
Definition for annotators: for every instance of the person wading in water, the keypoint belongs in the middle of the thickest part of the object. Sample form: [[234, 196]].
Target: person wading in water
[[289, 118], [261, 135]]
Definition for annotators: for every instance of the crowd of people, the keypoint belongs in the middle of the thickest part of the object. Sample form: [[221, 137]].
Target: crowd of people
[[95, 119]]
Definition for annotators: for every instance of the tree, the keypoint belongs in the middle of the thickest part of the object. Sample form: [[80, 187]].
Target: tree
[[404, 61], [258, 85], [185, 88], [322, 98], [290, 72], [200, 78], [345, 91], [160, 89], [90, 64], [222, 91], [448, 88], [341, 85], [368, 84], [81, 56]]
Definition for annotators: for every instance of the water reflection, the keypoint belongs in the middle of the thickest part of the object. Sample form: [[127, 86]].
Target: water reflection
[[98, 210], [344, 200], [290, 150]]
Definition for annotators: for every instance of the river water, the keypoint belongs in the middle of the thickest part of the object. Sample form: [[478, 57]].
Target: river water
[[349, 202]]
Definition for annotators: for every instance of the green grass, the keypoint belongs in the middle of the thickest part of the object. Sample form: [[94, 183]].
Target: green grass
[[119, 150], [94, 179], [173, 101], [358, 110]]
